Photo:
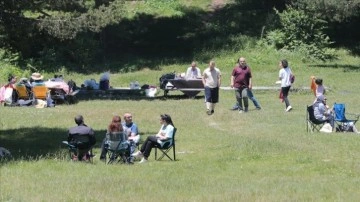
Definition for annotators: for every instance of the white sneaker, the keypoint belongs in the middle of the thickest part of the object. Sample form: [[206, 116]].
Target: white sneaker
[[137, 154], [143, 160], [289, 108]]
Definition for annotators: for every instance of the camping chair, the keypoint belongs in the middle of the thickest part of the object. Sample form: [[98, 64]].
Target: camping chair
[[80, 148], [117, 147], [340, 116], [23, 92], [40, 92], [312, 123], [166, 148]]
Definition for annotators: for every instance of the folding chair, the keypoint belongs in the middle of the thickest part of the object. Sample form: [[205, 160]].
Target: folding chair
[[22, 92], [311, 122], [80, 148], [40, 92], [166, 148], [340, 116], [117, 147]]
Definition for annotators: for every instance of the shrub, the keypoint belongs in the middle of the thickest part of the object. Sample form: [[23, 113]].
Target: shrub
[[302, 32]]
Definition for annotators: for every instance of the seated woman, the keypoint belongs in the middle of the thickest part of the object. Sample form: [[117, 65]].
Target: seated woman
[[164, 135], [322, 111], [114, 127]]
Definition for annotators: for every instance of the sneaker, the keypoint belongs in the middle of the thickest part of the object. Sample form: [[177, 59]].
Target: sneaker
[[143, 160], [258, 108], [208, 112], [137, 154], [289, 108], [235, 107], [212, 111], [241, 111]]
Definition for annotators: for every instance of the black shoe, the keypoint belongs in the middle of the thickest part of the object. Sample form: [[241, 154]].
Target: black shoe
[[212, 111]]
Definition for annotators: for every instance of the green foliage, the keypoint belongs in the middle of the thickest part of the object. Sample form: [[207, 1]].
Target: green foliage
[[332, 10], [302, 32], [66, 25]]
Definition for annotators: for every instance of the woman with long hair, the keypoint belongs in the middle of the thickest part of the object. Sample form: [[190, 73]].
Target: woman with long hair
[[164, 135], [284, 76]]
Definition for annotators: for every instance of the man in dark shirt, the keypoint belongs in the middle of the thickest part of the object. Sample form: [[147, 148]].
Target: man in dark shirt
[[82, 136], [241, 80]]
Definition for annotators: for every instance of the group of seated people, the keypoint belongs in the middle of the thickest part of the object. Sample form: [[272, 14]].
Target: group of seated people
[[10, 96], [131, 135], [322, 111]]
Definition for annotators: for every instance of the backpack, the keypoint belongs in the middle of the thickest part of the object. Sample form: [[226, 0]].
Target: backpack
[[292, 78], [165, 78]]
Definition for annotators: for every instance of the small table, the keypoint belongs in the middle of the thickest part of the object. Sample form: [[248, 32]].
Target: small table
[[190, 87]]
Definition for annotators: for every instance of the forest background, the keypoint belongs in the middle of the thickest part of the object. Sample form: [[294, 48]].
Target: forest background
[[263, 155], [92, 36]]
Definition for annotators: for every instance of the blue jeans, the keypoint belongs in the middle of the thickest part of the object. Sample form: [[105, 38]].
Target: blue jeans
[[252, 98]]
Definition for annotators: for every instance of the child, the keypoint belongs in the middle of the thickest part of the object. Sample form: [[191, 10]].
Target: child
[[317, 87]]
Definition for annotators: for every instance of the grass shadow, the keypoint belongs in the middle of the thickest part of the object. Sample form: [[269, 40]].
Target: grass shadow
[[32, 143]]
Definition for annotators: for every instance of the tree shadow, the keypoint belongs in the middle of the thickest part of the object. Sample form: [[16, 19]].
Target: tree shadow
[[148, 41], [40, 142], [32, 143]]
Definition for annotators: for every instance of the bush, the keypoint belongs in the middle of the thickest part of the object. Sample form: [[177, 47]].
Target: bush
[[302, 32]]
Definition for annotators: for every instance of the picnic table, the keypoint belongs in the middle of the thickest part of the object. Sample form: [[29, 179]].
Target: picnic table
[[190, 87]]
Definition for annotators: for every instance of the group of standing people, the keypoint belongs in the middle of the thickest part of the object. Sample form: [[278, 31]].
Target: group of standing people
[[241, 81]]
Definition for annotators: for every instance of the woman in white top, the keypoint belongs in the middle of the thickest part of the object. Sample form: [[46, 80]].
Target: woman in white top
[[164, 135], [284, 76]]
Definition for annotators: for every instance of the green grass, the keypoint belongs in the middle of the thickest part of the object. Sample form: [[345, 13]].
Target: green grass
[[259, 156]]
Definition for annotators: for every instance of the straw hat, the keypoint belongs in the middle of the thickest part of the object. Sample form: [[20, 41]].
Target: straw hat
[[37, 76]]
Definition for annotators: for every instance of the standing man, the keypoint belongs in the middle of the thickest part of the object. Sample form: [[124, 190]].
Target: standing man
[[82, 130], [241, 80], [250, 96], [193, 72], [212, 81]]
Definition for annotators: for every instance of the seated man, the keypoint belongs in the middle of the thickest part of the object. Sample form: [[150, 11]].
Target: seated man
[[81, 129], [131, 129], [322, 111], [193, 72]]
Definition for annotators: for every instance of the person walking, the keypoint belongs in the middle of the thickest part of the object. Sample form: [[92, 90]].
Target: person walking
[[241, 81], [284, 77], [212, 81]]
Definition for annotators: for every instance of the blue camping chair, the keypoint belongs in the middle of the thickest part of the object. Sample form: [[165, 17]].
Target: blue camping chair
[[340, 116]]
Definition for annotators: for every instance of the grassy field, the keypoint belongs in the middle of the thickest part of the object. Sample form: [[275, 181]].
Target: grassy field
[[264, 155]]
